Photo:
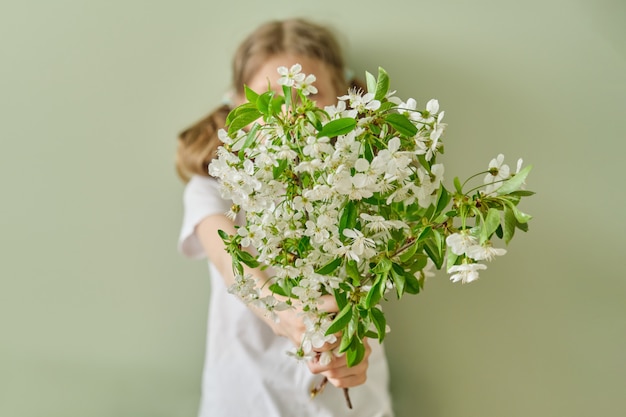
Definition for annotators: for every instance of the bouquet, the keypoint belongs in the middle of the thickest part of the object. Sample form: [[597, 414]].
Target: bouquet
[[349, 201]]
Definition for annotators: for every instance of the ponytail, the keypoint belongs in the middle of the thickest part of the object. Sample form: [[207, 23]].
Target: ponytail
[[197, 145]]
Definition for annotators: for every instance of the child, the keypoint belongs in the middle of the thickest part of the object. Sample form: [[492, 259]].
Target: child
[[247, 372]]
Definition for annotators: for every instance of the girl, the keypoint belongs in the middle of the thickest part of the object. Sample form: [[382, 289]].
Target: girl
[[246, 371]]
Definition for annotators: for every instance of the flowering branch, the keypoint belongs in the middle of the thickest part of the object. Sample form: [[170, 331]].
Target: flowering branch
[[348, 200]]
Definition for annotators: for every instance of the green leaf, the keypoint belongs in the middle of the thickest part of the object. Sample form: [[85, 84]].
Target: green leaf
[[352, 270], [263, 102], [412, 285], [276, 104], [346, 341], [434, 248], [225, 236], [522, 193], [287, 95], [457, 185], [243, 119], [384, 106], [378, 318], [434, 252], [368, 151], [238, 111], [278, 170], [521, 217], [277, 289], [314, 120], [424, 233], [399, 280], [348, 216], [355, 353], [442, 200], [491, 223], [353, 325], [248, 259], [341, 299], [384, 265], [374, 294], [408, 254], [337, 127], [371, 82], [250, 137], [509, 224], [451, 259], [382, 85], [329, 267], [283, 287], [515, 182], [341, 320], [251, 95], [402, 124]]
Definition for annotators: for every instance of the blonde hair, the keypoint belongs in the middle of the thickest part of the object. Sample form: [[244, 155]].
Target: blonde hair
[[198, 143]]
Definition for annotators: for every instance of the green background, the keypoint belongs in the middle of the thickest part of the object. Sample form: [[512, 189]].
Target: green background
[[100, 316]]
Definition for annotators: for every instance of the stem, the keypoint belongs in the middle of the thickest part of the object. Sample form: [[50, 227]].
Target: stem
[[346, 395], [474, 176], [317, 389], [484, 185]]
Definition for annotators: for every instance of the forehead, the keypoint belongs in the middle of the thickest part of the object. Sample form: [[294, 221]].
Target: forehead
[[267, 71]]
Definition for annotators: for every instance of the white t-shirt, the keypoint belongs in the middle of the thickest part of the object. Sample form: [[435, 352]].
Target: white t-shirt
[[247, 372]]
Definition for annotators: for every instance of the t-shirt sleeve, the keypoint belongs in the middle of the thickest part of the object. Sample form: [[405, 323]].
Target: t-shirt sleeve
[[201, 198]]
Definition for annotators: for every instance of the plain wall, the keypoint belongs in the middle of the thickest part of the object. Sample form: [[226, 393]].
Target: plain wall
[[99, 314]]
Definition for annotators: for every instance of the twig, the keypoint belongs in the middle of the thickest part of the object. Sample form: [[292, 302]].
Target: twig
[[317, 389]]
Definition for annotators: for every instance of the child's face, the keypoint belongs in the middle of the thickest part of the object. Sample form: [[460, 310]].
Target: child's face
[[326, 94]]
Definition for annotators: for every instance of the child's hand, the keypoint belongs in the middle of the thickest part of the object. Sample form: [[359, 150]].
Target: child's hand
[[292, 327], [338, 372]]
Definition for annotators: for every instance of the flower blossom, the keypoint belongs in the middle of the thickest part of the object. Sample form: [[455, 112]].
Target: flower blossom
[[460, 242], [484, 252], [498, 172], [465, 272], [289, 77], [307, 85], [361, 102], [360, 246]]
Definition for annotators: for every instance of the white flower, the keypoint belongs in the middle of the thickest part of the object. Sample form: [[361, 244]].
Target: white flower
[[245, 287], [290, 76], [460, 242], [409, 109], [498, 172], [315, 334], [252, 235], [307, 291], [427, 146], [302, 203], [307, 85], [339, 110], [465, 272], [317, 233], [428, 116], [270, 305], [361, 102], [354, 187], [380, 224], [484, 252], [316, 147], [429, 184], [360, 246]]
